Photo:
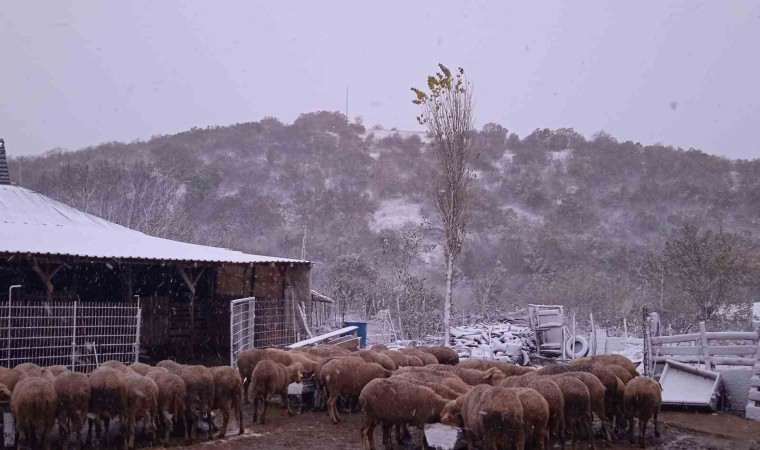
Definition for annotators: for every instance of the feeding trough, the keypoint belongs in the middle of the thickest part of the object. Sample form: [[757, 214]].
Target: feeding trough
[[443, 437], [686, 385]]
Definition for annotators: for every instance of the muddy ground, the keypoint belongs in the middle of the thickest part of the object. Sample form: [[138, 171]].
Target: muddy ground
[[313, 430]]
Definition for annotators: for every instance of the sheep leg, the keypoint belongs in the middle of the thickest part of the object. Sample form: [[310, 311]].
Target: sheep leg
[[519, 439], [255, 408], [590, 431], [642, 432], [225, 421], [630, 429], [239, 414], [365, 433], [131, 431], [387, 436], [263, 417], [333, 408], [656, 423], [397, 432], [286, 401]]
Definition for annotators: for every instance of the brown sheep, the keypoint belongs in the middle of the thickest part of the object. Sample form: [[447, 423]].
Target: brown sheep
[[108, 400], [320, 399], [140, 368], [444, 379], [578, 416], [142, 402], [508, 369], [398, 358], [602, 385], [379, 348], [247, 360], [199, 385], [34, 406], [429, 380], [425, 357], [535, 418], [597, 396], [30, 369], [620, 372], [443, 354], [171, 401], [228, 394], [118, 365], [553, 396], [493, 415], [272, 378], [347, 376], [73, 392], [171, 366], [326, 352], [399, 402], [5, 393], [413, 361], [378, 358], [619, 360], [57, 370], [471, 376], [643, 398], [9, 377]]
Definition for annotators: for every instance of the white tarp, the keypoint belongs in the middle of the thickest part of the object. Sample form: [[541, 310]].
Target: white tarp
[[31, 223]]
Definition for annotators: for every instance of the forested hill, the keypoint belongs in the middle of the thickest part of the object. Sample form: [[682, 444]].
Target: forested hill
[[556, 216]]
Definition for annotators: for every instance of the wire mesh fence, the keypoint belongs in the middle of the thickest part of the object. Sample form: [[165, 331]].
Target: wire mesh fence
[[260, 322], [73, 334]]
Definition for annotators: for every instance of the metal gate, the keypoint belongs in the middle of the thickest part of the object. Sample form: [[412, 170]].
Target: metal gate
[[242, 327], [79, 335]]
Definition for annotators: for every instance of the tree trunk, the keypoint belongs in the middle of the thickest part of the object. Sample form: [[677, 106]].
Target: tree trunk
[[447, 301]]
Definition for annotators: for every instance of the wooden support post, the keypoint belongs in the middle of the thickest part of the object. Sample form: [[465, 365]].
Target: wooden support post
[[705, 347], [191, 281], [46, 274]]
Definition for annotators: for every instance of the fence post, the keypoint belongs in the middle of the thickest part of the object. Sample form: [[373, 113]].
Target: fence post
[[74, 337], [137, 330], [232, 335], [705, 349]]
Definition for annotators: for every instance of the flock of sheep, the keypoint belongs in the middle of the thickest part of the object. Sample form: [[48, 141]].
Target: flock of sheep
[[496, 404], [163, 396]]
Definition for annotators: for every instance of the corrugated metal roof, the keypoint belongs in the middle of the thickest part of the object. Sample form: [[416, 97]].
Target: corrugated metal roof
[[33, 223]]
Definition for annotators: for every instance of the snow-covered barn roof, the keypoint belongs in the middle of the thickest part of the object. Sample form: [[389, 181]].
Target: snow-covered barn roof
[[31, 223]]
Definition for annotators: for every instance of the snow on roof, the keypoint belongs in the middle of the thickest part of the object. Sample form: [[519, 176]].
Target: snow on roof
[[33, 223]]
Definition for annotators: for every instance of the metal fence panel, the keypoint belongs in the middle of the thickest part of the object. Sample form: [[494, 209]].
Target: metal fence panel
[[77, 335], [260, 323]]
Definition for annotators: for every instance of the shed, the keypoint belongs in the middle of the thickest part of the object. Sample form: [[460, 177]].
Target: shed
[[58, 253]]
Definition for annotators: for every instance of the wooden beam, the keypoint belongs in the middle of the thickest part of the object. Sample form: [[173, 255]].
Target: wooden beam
[[46, 275], [191, 280]]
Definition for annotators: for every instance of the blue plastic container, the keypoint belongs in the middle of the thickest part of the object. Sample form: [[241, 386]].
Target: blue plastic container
[[361, 331]]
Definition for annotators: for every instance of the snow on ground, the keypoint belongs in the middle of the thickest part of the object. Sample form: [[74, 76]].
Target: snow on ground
[[394, 214]]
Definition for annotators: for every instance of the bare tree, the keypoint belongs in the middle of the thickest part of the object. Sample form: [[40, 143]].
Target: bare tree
[[706, 267], [446, 111]]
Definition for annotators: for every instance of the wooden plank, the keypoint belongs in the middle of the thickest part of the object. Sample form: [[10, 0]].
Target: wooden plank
[[716, 360], [323, 337], [656, 340], [734, 350], [711, 335], [679, 350]]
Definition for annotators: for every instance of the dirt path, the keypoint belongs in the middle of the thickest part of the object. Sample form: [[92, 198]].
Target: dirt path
[[312, 430]]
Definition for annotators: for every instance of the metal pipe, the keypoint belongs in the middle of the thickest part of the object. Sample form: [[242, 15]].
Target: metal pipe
[[10, 295], [74, 339]]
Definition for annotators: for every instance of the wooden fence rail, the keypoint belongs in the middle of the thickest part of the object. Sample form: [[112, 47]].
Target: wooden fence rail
[[703, 351]]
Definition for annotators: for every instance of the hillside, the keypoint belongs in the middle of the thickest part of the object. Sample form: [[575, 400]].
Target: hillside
[[557, 217]]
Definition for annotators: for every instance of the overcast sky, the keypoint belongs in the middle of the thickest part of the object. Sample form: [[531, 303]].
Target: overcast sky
[[79, 73]]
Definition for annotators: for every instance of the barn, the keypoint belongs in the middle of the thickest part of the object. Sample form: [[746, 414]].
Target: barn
[[81, 288]]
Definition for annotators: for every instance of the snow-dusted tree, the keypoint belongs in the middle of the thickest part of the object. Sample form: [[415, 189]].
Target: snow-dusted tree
[[446, 111]]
